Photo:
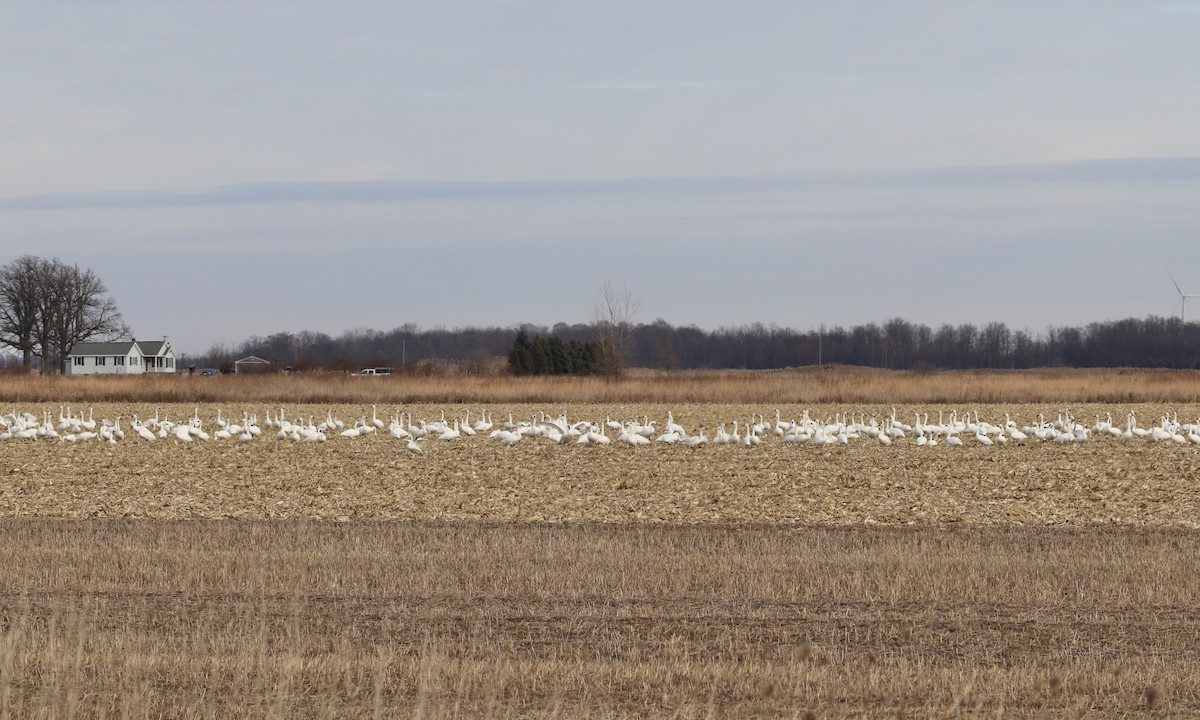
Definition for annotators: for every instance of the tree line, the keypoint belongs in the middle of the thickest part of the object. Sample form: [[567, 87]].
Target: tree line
[[47, 306], [896, 344], [902, 345]]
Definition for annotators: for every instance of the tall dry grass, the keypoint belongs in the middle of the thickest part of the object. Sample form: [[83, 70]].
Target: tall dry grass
[[807, 385], [274, 619]]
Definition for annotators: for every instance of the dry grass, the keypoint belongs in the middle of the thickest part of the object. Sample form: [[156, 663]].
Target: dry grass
[[801, 386], [301, 619]]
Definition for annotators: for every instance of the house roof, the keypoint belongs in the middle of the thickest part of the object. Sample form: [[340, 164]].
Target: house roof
[[252, 359], [149, 348], [102, 348], [153, 347]]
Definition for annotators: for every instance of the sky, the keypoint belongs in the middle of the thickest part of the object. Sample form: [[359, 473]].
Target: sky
[[231, 169]]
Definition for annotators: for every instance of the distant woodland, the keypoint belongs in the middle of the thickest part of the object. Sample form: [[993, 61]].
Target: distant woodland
[[896, 344], [47, 306]]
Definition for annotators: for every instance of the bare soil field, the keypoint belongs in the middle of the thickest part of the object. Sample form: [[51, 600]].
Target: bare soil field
[[352, 578]]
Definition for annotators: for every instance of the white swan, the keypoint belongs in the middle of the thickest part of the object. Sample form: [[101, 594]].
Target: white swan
[[695, 440], [453, 433]]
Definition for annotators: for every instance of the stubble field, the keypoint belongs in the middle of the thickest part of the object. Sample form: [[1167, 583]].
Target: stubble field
[[1098, 482], [353, 578]]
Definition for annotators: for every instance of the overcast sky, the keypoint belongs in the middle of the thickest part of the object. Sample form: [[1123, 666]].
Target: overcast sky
[[242, 168]]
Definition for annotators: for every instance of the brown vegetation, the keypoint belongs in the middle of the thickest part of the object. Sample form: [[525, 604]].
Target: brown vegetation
[[542, 580], [1102, 481], [302, 619], [449, 384]]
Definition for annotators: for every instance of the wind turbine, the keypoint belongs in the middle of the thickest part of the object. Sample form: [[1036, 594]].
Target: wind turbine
[[1182, 298]]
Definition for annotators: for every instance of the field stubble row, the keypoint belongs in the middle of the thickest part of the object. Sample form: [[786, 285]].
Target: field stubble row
[[386, 619]]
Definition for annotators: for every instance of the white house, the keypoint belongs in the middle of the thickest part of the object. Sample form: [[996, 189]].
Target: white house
[[128, 357], [160, 356]]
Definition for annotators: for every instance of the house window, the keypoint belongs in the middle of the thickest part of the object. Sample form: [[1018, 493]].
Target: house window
[[100, 360], [133, 360], [118, 360], [78, 361]]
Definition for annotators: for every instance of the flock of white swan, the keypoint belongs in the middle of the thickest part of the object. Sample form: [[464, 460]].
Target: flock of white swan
[[950, 429]]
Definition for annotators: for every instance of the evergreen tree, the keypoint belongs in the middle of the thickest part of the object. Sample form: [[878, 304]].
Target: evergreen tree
[[520, 356]]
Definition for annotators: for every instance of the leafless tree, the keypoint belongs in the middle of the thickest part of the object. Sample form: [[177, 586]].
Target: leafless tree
[[220, 356], [614, 313], [46, 307], [20, 300], [74, 308]]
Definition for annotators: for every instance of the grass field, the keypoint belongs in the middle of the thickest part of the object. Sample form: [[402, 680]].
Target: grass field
[[353, 579]]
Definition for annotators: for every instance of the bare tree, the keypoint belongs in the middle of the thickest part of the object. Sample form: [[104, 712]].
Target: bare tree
[[72, 306], [614, 313], [20, 301], [220, 356]]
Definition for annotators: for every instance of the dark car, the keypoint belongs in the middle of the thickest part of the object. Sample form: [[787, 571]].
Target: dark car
[[210, 371]]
